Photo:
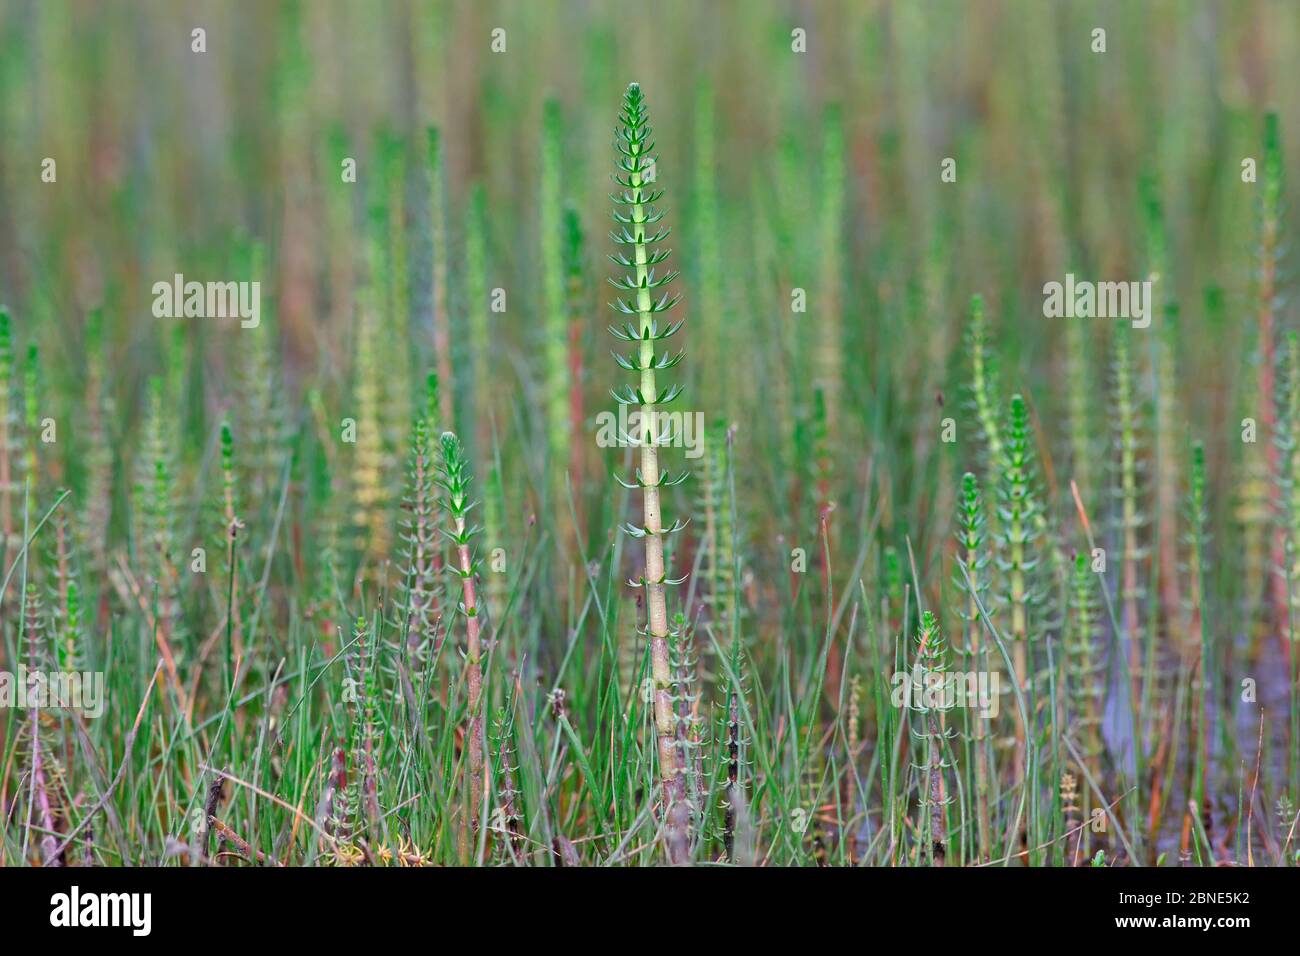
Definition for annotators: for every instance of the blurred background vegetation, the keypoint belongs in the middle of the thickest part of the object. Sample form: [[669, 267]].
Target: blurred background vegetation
[[166, 156]]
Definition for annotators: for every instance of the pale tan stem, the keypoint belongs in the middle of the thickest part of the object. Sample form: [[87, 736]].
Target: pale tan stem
[[670, 771]]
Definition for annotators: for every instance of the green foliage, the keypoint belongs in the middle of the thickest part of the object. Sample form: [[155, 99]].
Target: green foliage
[[267, 539], [1017, 536], [1085, 659], [418, 601]]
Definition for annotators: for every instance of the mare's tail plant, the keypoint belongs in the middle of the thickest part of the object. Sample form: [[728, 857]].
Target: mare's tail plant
[[737, 747], [1085, 673], [974, 583], [1198, 637], [508, 816], [636, 165], [363, 786], [1018, 543], [154, 509], [455, 481], [1017, 534], [931, 700], [45, 813], [418, 606], [1131, 519], [690, 726]]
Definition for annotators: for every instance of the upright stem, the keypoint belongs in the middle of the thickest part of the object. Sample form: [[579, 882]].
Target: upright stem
[[634, 147], [970, 538], [1130, 519], [670, 771], [455, 483], [473, 678]]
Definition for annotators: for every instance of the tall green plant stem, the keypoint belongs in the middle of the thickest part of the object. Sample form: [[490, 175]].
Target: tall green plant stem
[[931, 663], [473, 678], [1018, 535], [1130, 519], [657, 605], [974, 558], [455, 482], [634, 146]]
